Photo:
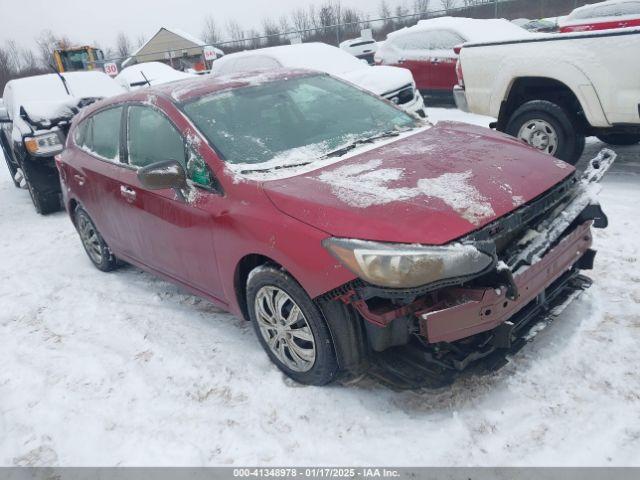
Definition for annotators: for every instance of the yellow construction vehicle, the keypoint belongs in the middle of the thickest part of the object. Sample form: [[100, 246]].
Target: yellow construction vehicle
[[78, 58]]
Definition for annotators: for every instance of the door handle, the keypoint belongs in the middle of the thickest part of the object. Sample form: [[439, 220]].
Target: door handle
[[128, 193], [435, 60], [402, 60], [80, 179]]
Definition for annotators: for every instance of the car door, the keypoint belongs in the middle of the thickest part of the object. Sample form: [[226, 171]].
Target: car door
[[170, 233], [442, 64], [94, 171], [412, 54]]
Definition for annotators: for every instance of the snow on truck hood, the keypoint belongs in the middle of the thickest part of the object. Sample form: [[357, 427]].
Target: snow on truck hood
[[430, 188]]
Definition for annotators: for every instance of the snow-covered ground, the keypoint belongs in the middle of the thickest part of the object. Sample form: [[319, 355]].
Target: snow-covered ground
[[126, 369]]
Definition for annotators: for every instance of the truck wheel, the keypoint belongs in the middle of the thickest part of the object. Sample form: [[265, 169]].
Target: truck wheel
[[549, 128], [619, 139], [290, 327], [93, 243]]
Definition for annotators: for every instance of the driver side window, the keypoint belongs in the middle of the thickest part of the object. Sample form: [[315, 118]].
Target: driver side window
[[153, 138]]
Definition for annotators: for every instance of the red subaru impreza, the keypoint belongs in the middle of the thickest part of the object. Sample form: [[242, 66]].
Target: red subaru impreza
[[337, 223]]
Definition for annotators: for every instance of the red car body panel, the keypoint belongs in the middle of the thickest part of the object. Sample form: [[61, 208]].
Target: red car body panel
[[432, 74], [594, 25], [200, 244], [498, 175]]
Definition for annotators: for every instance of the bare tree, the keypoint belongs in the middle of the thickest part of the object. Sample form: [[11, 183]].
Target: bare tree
[[123, 45], [385, 12], [447, 5], [421, 8], [301, 21], [236, 34], [210, 33], [271, 31]]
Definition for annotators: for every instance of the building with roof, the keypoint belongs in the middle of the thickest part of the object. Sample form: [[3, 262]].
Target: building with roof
[[174, 47]]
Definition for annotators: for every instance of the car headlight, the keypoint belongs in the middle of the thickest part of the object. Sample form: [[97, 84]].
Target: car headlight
[[44, 145], [407, 266]]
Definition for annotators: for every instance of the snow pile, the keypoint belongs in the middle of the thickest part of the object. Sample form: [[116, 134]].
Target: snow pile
[[155, 73]]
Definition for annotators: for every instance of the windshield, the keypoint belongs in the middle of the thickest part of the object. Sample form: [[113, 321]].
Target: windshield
[[75, 60], [294, 120]]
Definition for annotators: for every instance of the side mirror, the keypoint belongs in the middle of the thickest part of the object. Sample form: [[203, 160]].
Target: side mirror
[[162, 175]]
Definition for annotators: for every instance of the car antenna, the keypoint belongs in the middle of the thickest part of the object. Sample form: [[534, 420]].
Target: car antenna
[[145, 78], [64, 81]]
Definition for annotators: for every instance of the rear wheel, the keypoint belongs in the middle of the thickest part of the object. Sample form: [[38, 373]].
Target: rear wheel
[[290, 327], [93, 243], [619, 139], [549, 128]]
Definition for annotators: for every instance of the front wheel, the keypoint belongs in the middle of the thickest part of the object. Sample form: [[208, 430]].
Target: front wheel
[[619, 139], [290, 327], [549, 128]]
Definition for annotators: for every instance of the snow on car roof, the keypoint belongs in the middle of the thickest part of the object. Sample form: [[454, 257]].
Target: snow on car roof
[[155, 72], [313, 56], [610, 8], [472, 29]]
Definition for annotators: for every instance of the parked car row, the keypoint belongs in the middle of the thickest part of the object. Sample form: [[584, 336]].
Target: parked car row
[[394, 84]]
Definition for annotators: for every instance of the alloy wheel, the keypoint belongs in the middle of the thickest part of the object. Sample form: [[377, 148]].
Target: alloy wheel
[[285, 329], [90, 239]]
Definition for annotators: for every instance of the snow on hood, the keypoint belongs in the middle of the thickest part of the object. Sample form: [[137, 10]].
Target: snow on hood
[[438, 185], [46, 97], [380, 79], [155, 72]]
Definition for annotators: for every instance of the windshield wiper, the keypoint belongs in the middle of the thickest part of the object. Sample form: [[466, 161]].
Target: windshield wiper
[[347, 148], [275, 167]]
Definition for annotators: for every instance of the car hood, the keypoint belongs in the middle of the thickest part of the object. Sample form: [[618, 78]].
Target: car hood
[[379, 79], [431, 187]]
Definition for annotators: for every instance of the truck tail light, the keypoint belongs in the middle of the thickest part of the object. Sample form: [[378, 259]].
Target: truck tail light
[[459, 73]]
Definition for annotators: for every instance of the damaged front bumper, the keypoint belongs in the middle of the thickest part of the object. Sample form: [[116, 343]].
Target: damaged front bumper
[[539, 251]]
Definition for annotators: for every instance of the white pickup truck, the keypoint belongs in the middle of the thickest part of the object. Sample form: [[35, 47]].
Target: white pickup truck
[[553, 90]]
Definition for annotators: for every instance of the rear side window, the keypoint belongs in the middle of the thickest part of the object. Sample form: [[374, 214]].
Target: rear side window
[[413, 41], [153, 138], [100, 134], [255, 62], [444, 40]]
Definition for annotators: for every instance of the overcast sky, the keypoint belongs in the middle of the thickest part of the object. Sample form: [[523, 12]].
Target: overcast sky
[[86, 21]]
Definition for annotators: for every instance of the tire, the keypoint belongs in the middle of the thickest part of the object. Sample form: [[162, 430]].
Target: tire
[[10, 166], [93, 243], [619, 139], [548, 127], [45, 199], [304, 351]]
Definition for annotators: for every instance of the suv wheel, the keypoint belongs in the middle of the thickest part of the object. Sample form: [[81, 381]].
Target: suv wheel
[[93, 243], [549, 128], [619, 139], [290, 327]]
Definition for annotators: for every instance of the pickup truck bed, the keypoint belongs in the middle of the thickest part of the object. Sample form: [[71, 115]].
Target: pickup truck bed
[[577, 84]]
